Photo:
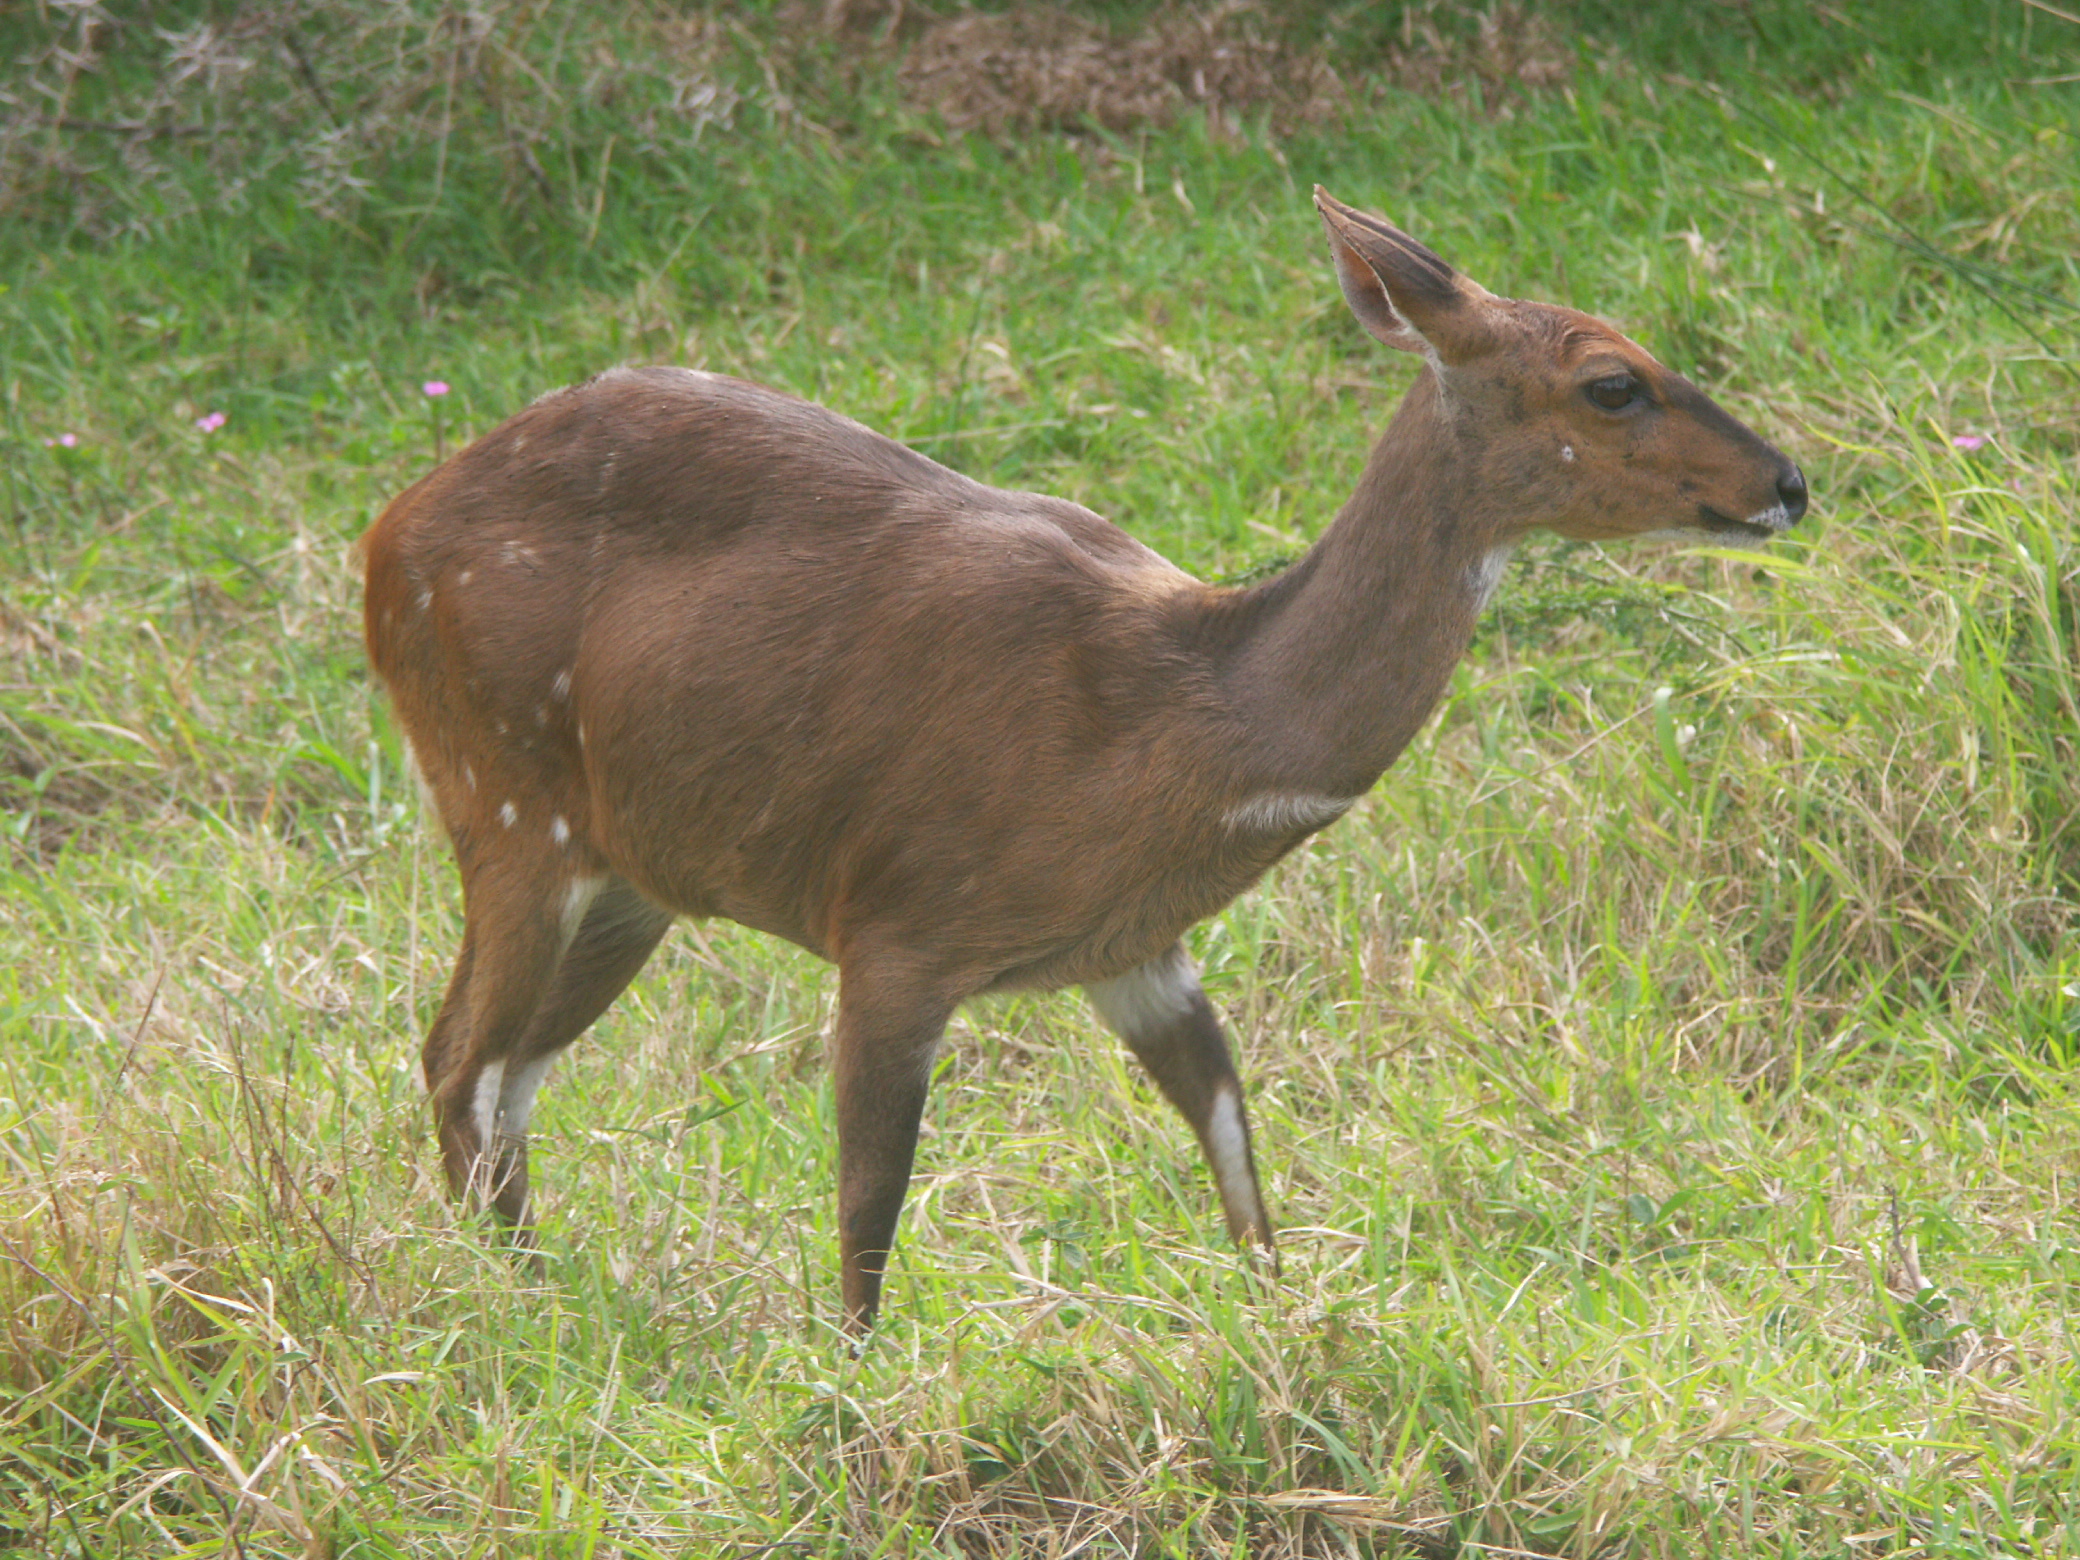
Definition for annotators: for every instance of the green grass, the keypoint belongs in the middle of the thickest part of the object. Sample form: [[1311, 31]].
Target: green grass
[[1664, 1078]]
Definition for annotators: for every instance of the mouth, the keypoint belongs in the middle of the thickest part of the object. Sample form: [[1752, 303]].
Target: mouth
[[1759, 527]]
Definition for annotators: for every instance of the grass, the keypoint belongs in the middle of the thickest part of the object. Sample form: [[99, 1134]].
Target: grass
[[1664, 1077]]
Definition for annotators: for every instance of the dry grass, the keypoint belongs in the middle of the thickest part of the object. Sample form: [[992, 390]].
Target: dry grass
[[1510, 50], [122, 125], [1046, 68]]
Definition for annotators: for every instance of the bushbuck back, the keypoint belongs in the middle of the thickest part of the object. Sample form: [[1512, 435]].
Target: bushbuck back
[[669, 643]]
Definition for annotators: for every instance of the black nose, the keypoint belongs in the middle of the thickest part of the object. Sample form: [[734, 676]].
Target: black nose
[[1791, 490]]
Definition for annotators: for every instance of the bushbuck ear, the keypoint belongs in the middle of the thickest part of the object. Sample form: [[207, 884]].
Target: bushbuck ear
[[1401, 292]]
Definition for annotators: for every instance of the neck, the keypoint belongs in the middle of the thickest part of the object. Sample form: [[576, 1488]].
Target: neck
[[1335, 665]]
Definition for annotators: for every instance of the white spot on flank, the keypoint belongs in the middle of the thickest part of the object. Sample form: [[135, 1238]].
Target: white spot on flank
[[463, 577], [1567, 453], [541, 714], [1157, 994], [509, 815], [1281, 813], [469, 777], [561, 688], [559, 831], [519, 442], [425, 597], [1485, 575], [581, 733]]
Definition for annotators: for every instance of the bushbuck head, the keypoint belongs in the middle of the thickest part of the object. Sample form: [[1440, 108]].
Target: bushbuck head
[[1580, 427]]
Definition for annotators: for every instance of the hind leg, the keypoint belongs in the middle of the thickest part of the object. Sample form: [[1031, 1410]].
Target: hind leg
[[515, 929], [618, 932], [544, 952]]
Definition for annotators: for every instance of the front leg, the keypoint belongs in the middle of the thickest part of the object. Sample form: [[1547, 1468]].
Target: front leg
[[1162, 1013], [888, 1035]]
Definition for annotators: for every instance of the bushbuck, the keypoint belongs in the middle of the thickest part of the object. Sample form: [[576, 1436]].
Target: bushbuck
[[670, 643]]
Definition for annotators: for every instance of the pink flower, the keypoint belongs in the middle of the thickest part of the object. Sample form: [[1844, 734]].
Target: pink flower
[[210, 422], [434, 387], [1969, 441], [63, 441]]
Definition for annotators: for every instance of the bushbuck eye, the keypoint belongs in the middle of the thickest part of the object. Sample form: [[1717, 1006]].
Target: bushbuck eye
[[1614, 393]]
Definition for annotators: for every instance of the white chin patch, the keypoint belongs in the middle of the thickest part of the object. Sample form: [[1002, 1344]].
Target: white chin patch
[[1704, 535], [1768, 525]]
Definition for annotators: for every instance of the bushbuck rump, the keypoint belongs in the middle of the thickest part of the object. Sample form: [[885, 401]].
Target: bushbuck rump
[[669, 643]]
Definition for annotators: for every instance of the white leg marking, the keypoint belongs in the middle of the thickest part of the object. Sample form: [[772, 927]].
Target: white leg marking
[[489, 1082], [1159, 992], [577, 899], [1227, 1145], [1281, 813], [516, 1096]]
